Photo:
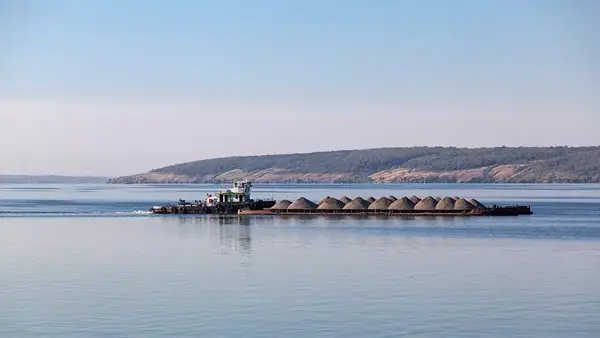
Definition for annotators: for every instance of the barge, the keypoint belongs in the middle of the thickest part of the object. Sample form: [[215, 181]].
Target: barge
[[238, 200], [486, 211]]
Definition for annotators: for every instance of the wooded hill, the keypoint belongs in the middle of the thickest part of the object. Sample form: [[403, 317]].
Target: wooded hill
[[390, 165]]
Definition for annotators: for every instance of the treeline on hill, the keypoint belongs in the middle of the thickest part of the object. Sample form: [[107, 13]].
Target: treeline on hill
[[360, 162], [583, 161]]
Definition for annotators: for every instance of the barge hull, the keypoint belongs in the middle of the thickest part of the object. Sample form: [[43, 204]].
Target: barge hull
[[494, 211]]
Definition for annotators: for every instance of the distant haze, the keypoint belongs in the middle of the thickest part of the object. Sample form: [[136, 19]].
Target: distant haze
[[114, 88]]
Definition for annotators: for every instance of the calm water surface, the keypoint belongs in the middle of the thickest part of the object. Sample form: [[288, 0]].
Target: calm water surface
[[89, 261]]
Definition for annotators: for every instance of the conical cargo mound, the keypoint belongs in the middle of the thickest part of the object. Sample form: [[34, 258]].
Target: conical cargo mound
[[357, 204], [370, 199], [332, 204], [476, 203], [402, 204], [414, 199], [281, 205], [463, 204], [302, 204], [345, 199], [323, 200], [446, 203], [392, 198], [381, 203], [428, 203]]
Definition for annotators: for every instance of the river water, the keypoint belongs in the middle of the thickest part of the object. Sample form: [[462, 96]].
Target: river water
[[90, 261]]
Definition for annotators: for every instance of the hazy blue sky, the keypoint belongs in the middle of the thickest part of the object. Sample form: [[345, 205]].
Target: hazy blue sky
[[119, 87]]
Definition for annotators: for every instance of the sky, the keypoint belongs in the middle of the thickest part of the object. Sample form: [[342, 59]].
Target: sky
[[120, 87]]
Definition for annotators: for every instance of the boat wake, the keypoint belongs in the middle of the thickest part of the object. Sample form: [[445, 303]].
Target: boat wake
[[137, 212]]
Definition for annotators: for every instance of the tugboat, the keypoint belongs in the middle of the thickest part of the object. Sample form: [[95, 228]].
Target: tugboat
[[225, 201]]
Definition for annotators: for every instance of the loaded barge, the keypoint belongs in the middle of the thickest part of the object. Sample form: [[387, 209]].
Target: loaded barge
[[237, 200]]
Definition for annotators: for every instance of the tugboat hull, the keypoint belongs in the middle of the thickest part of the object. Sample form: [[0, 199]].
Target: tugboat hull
[[222, 208]]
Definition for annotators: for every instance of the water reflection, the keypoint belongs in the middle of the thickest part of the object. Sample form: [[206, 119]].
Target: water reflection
[[243, 234], [233, 233]]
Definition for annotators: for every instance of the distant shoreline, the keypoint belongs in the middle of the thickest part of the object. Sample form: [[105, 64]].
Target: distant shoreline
[[365, 183], [50, 179]]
